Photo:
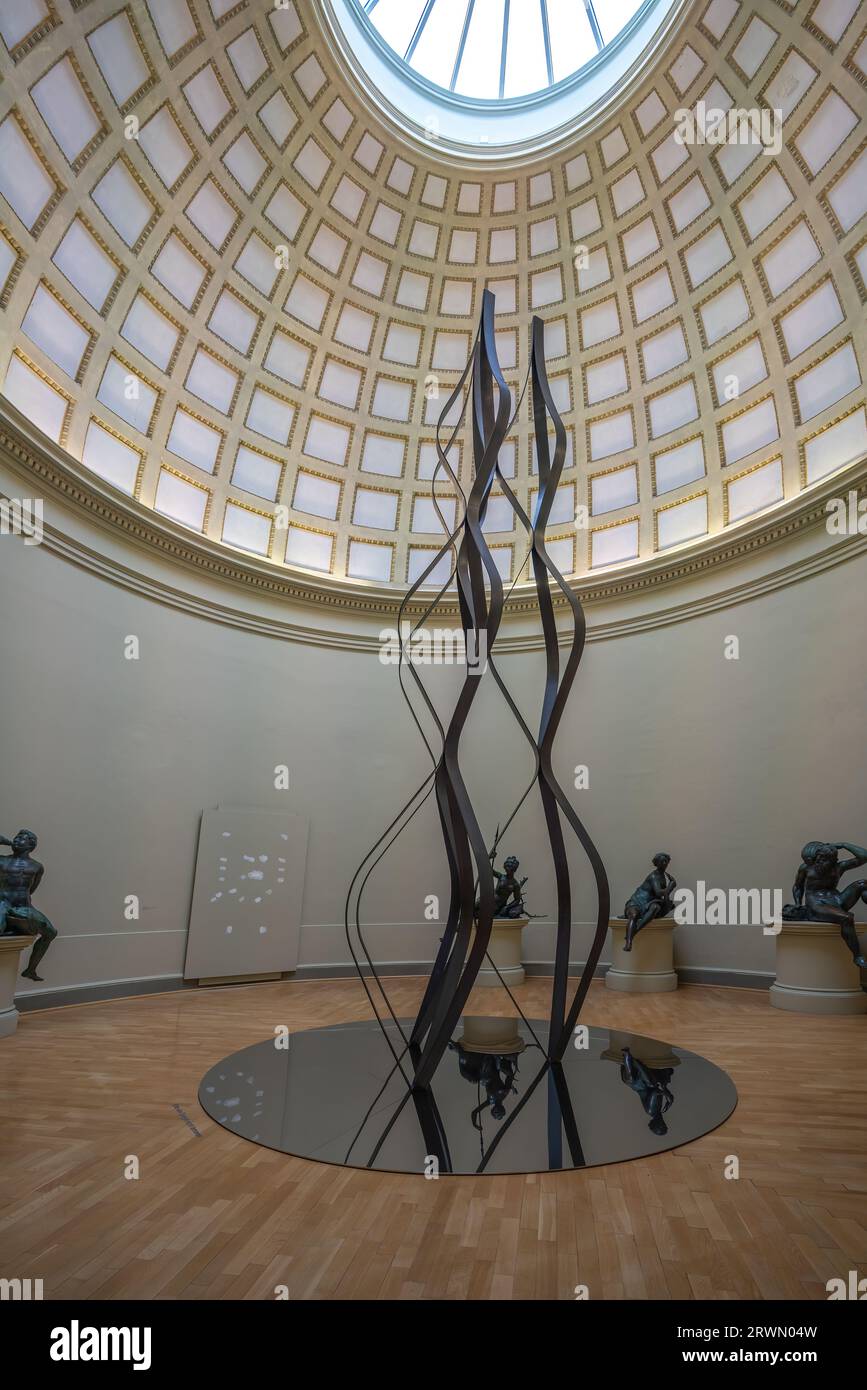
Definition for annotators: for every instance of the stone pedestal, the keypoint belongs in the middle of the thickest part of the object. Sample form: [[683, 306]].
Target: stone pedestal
[[649, 967], [11, 948], [815, 971], [494, 1036], [505, 949]]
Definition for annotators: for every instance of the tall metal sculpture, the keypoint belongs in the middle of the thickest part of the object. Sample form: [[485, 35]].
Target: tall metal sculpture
[[481, 603]]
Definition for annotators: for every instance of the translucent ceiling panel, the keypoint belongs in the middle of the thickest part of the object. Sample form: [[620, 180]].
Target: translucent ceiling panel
[[612, 545], [55, 331], [24, 182], [479, 73], [368, 561], [84, 263], [109, 457], [123, 202], [396, 21], [572, 40], [151, 332], [247, 530], [682, 522], [119, 57], [35, 398], [255, 473], [614, 15], [195, 441], [180, 500], [173, 22], [316, 495], [18, 18], [526, 66], [309, 549], [437, 48]]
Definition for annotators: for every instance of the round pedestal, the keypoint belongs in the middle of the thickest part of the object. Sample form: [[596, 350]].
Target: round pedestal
[[815, 971], [505, 950], [10, 957], [491, 1036], [649, 967]]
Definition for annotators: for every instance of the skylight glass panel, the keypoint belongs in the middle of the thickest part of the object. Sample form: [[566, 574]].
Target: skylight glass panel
[[614, 15], [437, 47], [396, 20], [479, 72], [526, 65], [497, 49], [573, 42]]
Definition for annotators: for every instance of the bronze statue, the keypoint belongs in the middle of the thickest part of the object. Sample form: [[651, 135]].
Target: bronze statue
[[651, 899], [817, 895], [508, 899], [20, 876]]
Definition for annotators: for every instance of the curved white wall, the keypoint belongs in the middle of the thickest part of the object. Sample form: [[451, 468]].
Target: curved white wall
[[730, 765]]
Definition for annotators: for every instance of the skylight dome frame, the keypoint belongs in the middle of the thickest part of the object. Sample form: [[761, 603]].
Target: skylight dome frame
[[369, 6], [490, 128]]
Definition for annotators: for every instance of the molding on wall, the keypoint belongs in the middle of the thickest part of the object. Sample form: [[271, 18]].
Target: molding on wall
[[29, 454], [170, 984]]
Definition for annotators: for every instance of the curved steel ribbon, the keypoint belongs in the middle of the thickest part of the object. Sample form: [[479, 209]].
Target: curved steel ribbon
[[556, 694], [458, 962], [481, 603]]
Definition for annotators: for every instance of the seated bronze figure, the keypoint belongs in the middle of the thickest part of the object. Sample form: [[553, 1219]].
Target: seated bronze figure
[[817, 895], [20, 876], [651, 899], [508, 899]]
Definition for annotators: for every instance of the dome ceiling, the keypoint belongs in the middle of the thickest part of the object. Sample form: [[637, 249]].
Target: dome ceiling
[[231, 293]]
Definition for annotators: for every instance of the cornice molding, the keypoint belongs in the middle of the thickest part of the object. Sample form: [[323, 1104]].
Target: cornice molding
[[30, 456]]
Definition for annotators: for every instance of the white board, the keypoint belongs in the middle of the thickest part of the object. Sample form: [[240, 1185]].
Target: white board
[[246, 912]]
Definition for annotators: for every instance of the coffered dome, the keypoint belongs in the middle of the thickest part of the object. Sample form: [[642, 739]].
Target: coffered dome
[[234, 291]]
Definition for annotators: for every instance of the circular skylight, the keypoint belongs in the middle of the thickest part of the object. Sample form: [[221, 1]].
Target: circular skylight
[[490, 78], [494, 50]]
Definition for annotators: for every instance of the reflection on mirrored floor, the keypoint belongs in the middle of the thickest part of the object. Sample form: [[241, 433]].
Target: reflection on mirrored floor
[[496, 1104]]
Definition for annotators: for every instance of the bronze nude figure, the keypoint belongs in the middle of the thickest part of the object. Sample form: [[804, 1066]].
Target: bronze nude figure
[[651, 899], [508, 899], [817, 895], [20, 876]]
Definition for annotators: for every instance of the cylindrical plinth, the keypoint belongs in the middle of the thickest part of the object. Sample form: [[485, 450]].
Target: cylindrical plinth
[[649, 967], [496, 1036], [10, 955], [815, 971], [505, 950]]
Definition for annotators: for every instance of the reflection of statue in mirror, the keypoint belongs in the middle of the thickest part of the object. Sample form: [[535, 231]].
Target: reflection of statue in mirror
[[817, 895], [651, 899], [496, 1072], [651, 1085], [20, 876]]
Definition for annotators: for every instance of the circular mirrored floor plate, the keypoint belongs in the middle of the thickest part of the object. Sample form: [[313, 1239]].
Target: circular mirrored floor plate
[[496, 1105]]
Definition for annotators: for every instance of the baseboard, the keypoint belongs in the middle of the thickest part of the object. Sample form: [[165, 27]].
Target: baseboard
[[165, 984], [95, 994]]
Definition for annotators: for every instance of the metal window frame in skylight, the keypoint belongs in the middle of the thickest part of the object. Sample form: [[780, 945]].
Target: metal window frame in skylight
[[488, 128], [503, 40]]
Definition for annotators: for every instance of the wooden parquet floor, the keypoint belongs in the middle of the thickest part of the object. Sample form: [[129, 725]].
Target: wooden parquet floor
[[214, 1217]]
